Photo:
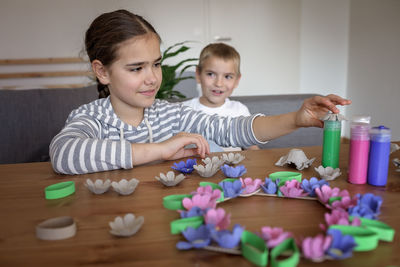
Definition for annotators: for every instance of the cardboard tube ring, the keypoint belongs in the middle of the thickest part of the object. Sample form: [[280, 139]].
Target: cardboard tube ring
[[56, 228]]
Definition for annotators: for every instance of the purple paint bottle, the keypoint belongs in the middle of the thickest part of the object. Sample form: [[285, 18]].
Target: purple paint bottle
[[359, 149], [379, 156]]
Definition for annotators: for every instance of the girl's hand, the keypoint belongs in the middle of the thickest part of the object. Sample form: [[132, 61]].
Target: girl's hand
[[174, 148], [316, 107]]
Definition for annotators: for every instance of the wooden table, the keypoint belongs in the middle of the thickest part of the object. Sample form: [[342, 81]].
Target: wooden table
[[23, 206]]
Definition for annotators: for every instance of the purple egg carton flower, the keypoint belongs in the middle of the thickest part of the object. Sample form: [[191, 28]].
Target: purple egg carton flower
[[226, 238], [231, 189], [368, 206], [292, 189], [310, 185], [193, 212], [196, 238], [250, 185], [273, 236], [218, 218], [207, 190], [326, 192], [185, 167], [339, 216], [314, 248], [201, 201], [233, 172], [342, 245], [270, 187]]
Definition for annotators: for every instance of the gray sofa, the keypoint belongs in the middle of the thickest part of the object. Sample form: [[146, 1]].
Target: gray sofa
[[31, 118]]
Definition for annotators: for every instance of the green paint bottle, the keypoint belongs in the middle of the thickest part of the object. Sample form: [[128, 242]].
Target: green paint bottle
[[331, 144]]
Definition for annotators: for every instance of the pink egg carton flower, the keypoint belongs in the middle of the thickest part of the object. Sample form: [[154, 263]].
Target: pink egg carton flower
[[207, 190], [273, 236], [344, 203], [201, 201], [250, 185], [326, 192], [341, 217], [218, 218], [314, 248], [292, 189]]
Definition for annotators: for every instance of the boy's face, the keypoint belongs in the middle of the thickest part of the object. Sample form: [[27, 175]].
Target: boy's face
[[218, 78]]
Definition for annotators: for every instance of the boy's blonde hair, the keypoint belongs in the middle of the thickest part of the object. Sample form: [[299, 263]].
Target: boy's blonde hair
[[220, 50]]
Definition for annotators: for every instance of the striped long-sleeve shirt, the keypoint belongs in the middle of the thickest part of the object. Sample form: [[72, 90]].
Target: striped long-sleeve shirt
[[95, 139]]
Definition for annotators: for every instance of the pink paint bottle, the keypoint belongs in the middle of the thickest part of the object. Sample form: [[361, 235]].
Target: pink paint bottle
[[359, 149]]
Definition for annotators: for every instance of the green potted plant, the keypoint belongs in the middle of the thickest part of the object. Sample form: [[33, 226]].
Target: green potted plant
[[171, 76]]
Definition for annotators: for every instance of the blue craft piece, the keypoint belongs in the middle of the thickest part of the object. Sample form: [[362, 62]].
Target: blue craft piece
[[233, 172], [342, 245], [269, 187], [309, 186], [185, 167], [368, 206], [226, 238], [197, 238], [193, 212], [231, 189]]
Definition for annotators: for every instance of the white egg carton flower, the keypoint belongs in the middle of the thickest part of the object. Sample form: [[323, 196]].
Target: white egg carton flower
[[394, 147], [328, 173], [333, 117], [396, 163], [125, 187], [210, 168], [126, 226], [98, 187], [296, 157], [232, 158], [170, 179]]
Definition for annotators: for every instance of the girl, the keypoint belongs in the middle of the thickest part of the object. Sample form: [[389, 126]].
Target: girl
[[128, 127]]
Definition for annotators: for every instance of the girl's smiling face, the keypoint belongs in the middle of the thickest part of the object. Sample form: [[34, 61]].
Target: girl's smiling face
[[135, 76]]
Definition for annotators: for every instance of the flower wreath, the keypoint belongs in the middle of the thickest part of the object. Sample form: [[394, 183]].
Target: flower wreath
[[350, 225]]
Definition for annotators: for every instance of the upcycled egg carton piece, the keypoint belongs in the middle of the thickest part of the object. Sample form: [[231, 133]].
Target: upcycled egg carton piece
[[296, 157], [126, 226], [394, 147], [333, 117], [396, 163], [125, 187], [232, 158], [328, 173], [170, 179], [98, 187], [211, 166]]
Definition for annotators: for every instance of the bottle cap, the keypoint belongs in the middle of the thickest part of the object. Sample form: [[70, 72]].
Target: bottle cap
[[380, 134], [361, 119], [360, 127]]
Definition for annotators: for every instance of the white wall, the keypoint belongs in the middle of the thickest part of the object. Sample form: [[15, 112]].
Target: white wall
[[346, 47], [324, 45], [374, 62]]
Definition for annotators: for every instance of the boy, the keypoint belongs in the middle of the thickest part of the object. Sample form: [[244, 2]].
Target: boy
[[218, 73]]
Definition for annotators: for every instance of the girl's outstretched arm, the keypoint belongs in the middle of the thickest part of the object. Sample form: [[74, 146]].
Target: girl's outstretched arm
[[270, 127]]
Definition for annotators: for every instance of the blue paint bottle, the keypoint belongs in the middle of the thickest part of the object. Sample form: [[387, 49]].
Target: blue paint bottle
[[379, 156]]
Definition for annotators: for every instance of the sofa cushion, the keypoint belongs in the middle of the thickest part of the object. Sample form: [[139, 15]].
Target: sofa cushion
[[31, 118]]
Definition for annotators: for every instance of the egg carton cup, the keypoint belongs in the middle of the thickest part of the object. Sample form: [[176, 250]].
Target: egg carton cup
[[296, 157], [170, 179], [125, 187], [126, 226], [232, 158], [328, 173], [98, 186]]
